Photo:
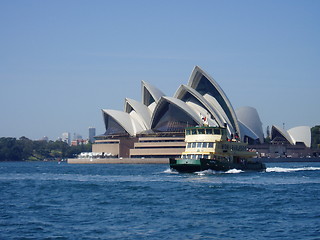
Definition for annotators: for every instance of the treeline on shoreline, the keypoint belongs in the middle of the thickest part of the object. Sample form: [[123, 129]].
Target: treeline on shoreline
[[24, 149]]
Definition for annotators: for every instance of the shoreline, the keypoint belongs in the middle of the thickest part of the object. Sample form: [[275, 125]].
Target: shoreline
[[279, 160], [166, 160], [118, 160]]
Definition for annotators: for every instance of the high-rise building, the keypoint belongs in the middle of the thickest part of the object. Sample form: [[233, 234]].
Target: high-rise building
[[66, 138], [92, 133], [77, 136]]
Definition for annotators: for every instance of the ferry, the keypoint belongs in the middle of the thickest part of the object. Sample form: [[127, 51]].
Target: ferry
[[209, 148]]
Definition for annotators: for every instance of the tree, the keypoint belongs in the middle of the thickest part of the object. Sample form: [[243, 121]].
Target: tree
[[315, 137], [10, 150], [25, 149]]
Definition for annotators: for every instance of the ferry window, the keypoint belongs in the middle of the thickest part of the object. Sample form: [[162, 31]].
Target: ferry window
[[210, 145], [209, 131], [199, 145], [205, 145], [216, 131], [193, 156], [206, 156], [201, 131], [194, 131], [198, 156], [187, 132], [193, 145], [189, 145]]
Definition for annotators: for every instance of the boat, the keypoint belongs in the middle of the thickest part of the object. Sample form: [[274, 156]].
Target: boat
[[209, 147]]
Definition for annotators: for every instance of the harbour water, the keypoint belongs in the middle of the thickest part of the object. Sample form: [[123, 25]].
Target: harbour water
[[47, 200]]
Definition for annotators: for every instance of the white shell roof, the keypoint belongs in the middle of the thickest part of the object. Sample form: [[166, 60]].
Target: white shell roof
[[131, 125], [301, 134], [284, 133], [223, 116], [183, 89], [194, 80], [245, 131], [249, 117], [142, 111], [180, 104], [154, 92], [296, 134]]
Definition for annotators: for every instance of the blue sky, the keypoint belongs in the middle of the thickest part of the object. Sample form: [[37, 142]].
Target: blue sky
[[61, 62]]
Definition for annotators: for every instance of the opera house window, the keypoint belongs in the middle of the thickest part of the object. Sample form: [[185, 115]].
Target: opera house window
[[113, 127]]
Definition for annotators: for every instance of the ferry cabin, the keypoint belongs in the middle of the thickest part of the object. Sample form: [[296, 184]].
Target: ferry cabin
[[213, 143]]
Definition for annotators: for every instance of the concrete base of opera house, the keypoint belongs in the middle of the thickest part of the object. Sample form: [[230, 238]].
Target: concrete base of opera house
[[118, 160]]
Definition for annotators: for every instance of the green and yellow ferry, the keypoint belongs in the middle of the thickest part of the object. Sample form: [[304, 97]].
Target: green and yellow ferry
[[210, 148]]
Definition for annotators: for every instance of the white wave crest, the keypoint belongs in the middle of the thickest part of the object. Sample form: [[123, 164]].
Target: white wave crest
[[234, 171], [212, 172], [280, 169], [170, 170], [206, 172]]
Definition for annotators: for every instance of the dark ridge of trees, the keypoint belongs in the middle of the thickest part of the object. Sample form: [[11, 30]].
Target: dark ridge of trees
[[24, 149], [315, 137]]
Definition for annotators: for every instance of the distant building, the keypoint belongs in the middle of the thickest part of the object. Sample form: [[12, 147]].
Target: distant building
[[79, 142], [92, 133], [66, 138], [77, 136], [294, 136]]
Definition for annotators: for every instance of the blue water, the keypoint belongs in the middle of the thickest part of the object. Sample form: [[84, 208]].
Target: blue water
[[47, 200]]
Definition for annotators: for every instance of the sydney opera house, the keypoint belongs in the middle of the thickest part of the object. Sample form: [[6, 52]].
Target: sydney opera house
[[295, 142], [155, 126]]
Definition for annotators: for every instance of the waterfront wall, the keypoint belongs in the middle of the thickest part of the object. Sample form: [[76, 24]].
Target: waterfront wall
[[278, 160], [118, 160]]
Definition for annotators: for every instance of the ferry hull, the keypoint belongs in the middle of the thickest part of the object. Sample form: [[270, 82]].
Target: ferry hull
[[189, 166], [184, 165], [226, 166]]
